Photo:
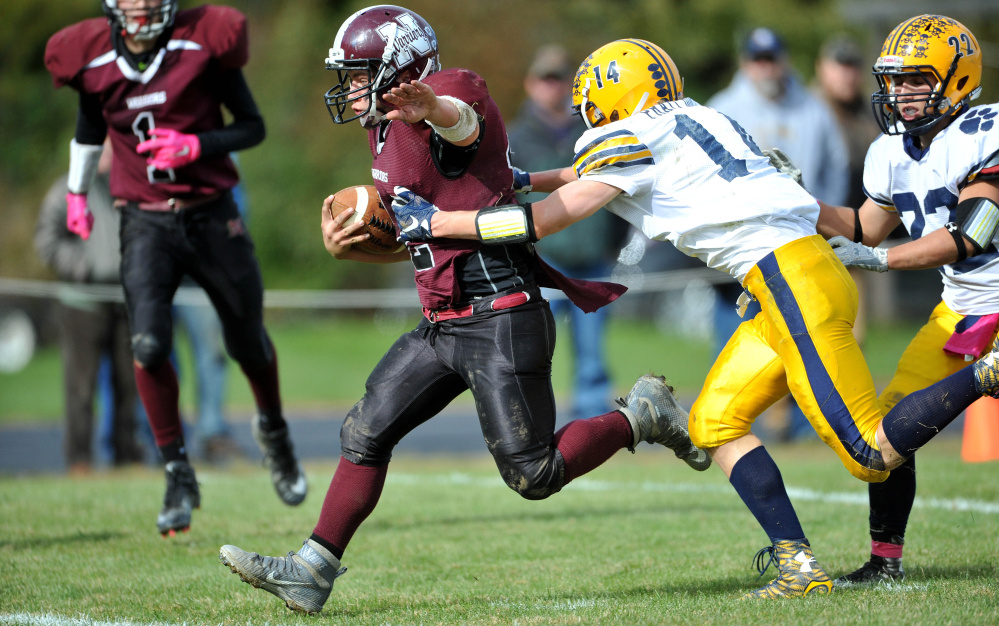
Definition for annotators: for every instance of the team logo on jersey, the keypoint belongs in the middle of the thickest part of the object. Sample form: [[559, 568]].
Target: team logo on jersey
[[978, 120], [146, 100], [408, 38]]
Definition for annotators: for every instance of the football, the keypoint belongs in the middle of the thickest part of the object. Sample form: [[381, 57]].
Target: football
[[368, 209]]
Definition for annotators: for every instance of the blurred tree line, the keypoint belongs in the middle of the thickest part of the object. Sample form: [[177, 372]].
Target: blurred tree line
[[306, 157]]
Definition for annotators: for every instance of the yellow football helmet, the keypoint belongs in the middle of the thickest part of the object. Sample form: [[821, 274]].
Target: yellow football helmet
[[945, 54], [622, 78]]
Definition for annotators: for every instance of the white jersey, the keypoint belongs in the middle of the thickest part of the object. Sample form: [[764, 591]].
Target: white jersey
[[692, 176], [923, 187]]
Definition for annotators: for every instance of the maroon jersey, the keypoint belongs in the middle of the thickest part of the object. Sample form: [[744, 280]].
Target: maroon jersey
[[173, 92], [402, 158]]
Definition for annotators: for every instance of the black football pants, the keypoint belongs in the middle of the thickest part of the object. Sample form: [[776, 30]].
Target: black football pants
[[503, 357], [210, 244]]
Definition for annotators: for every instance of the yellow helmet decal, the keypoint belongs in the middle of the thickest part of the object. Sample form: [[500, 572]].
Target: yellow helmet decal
[[662, 68], [945, 53], [622, 78]]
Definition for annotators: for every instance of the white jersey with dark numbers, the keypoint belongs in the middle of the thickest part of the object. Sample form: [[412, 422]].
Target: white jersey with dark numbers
[[923, 187], [692, 176]]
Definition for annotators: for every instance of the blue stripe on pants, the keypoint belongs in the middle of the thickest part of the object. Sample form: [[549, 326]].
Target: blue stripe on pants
[[833, 408]]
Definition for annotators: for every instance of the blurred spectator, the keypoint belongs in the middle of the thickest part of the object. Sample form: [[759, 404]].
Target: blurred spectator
[[768, 99], [843, 81], [543, 137], [88, 328], [770, 102], [203, 330]]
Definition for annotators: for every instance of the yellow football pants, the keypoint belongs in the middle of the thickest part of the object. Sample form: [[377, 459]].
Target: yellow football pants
[[802, 341]]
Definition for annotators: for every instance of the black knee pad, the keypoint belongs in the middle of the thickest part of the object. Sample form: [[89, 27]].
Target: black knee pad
[[149, 352], [357, 443], [535, 479]]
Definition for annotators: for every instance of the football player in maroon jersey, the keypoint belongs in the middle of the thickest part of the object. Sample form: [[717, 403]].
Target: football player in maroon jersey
[[486, 328], [156, 82]]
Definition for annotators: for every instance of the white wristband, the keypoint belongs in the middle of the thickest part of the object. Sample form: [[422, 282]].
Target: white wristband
[[467, 122], [83, 159]]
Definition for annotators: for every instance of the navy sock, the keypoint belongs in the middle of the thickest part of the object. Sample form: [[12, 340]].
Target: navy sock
[[919, 416], [758, 482]]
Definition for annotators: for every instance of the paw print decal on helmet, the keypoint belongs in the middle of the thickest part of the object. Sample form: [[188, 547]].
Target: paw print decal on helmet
[[623, 78], [659, 76], [978, 120]]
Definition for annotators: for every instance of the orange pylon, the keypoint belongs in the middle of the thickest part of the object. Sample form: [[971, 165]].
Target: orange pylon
[[981, 431]]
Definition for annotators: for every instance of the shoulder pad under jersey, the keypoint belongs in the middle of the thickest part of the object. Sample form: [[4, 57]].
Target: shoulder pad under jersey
[[72, 48], [462, 84], [220, 29]]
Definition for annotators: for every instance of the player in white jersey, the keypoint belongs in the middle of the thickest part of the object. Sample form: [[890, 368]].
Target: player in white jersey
[[685, 173], [936, 171]]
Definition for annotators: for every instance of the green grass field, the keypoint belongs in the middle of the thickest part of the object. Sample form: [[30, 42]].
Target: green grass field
[[641, 540]]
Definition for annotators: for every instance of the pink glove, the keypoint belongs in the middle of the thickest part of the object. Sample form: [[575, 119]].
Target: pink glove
[[79, 219], [170, 149]]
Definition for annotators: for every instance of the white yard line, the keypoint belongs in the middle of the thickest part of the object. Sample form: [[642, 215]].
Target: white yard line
[[26, 619], [858, 498]]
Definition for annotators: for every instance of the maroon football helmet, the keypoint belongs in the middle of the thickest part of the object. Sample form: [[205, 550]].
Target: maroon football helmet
[[384, 41]]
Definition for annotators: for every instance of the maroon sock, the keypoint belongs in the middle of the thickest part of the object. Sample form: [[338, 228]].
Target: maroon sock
[[265, 388], [351, 498], [585, 444], [160, 396]]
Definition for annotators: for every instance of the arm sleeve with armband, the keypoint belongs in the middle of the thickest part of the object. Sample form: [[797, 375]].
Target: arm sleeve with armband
[[452, 160], [88, 143], [83, 159], [976, 219], [508, 223]]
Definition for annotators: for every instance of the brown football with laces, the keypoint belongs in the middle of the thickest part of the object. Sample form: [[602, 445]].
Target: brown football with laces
[[368, 208]]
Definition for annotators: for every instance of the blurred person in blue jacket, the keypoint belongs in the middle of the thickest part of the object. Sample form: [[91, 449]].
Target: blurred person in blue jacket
[[769, 100]]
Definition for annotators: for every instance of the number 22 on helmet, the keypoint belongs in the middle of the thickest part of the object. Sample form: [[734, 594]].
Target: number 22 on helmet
[[622, 78], [944, 54]]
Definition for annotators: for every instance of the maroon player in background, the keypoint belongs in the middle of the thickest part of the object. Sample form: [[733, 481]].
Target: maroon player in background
[[486, 327], [155, 82]]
